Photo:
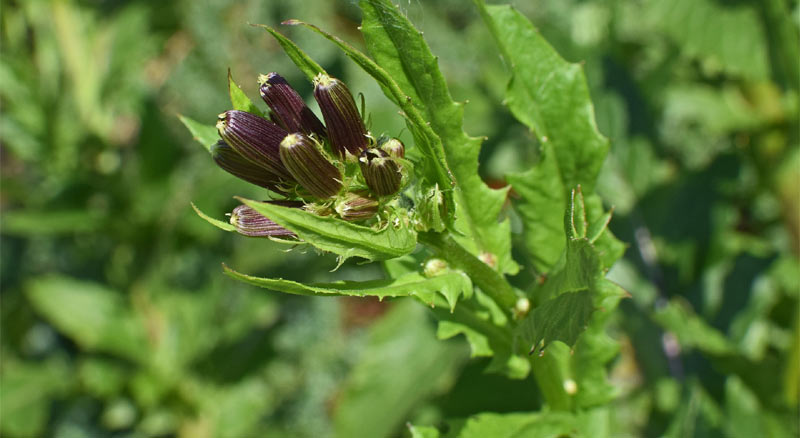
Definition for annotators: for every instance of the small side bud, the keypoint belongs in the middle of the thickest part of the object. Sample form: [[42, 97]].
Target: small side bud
[[310, 168], [237, 165], [254, 138], [381, 172], [288, 108], [434, 267], [393, 147], [249, 222], [488, 258], [522, 307], [356, 207], [346, 130]]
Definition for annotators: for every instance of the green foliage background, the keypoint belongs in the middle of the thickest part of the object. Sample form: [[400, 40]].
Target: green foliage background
[[118, 321]]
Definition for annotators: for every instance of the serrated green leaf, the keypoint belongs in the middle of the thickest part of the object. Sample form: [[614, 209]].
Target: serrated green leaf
[[519, 425], [239, 100], [96, 318], [451, 286], [304, 62], [549, 95], [478, 342], [206, 135], [433, 165], [541, 199], [579, 268], [562, 318], [339, 237], [215, 222], [401, 50], [486, 335]]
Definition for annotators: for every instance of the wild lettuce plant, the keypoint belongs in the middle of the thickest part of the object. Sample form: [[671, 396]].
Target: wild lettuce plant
[[422, 210]]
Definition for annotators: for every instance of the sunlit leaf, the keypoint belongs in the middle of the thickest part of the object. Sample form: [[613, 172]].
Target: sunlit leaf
[[451, 286], [339, 237], [401, 50]]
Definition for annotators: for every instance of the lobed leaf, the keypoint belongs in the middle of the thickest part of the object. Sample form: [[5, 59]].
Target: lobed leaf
[[549, 95], [541, 200], [399, 48], [451, 286], [562, 318], [339, 237]]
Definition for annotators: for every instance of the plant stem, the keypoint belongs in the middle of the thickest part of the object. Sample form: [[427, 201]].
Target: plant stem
[[491, 282]]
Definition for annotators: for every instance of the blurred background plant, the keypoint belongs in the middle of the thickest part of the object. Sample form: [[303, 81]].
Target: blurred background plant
[[117, 320]]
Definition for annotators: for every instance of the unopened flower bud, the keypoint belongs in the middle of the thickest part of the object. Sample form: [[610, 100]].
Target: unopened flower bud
[[356, 207], [346, 130], [255, 138], [304, 159], [381, 172], [249, 222], [237, 165], [288, 108], [434, 267], [393, 147]]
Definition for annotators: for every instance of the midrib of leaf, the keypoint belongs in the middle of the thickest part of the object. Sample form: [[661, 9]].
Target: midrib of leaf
[[399, 48]]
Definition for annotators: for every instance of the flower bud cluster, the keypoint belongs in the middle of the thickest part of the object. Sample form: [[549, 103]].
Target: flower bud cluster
[[310, 163]]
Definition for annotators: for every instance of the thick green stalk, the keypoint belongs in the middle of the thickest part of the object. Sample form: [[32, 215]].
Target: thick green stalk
[[491, 282]]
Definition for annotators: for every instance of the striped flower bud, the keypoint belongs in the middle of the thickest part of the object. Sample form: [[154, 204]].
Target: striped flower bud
[[346, 130], [235, 164], [254, 138], [381, 172], [249, 222], [288, 108], [393, 147], [356, 207], [303, 157]]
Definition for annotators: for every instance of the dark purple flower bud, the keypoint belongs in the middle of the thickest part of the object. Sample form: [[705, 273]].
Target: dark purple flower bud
[[288, 108], [254, 138], [235, 164], [381, 172], [356, 207], [346, 130], [304, 159], [251, 223], [393, 147]]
